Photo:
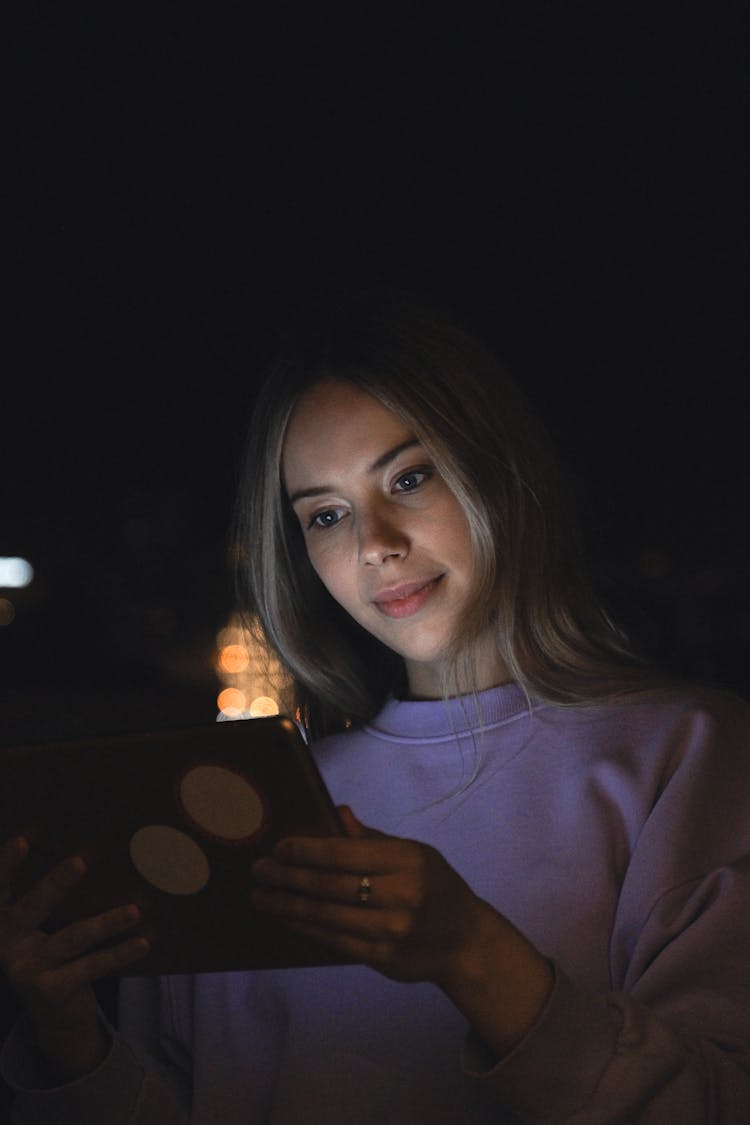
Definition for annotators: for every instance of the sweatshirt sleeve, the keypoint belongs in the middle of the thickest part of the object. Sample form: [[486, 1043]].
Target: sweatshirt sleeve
[[671, 1040], [129, 1088]]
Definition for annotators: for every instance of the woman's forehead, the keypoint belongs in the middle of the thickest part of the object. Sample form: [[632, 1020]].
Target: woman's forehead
[[337, 424]]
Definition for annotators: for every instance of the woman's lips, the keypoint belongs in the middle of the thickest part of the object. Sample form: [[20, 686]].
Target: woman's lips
[[405, 600]]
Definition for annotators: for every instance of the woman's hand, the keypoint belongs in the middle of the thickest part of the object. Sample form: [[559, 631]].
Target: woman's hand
[[418, 915], [53, 973], [419, 922]]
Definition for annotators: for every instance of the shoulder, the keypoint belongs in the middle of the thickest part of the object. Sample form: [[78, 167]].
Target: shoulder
[[696, 716], [660, 711], [711, 745], [649, 737], [699, 742], [699, 820]]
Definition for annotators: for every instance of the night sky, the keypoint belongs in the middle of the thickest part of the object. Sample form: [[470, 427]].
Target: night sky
[[574, 176]]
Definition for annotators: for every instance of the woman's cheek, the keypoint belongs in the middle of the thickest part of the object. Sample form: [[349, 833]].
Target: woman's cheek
[[323, 565]]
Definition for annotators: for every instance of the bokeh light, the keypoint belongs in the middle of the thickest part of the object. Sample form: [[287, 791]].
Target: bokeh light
[[263, 706], [254, 683], [15, 572], [233, 658], [231, 702]]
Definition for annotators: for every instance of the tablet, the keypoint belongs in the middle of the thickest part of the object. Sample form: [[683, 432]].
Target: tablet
[[172, 820]]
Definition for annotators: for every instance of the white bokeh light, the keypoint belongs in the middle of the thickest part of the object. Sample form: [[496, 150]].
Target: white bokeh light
[[15, 572]]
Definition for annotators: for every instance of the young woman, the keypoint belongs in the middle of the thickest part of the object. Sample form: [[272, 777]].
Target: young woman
[[544, 886]]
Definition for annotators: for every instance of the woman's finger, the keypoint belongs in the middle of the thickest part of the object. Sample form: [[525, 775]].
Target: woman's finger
[[103, 962], [46, 990], [382, 854], [40, 955], [36, 905], [344, 887], [351, 916], [79, 937]]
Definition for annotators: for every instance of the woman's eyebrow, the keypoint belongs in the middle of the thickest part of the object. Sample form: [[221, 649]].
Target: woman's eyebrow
[[379, 463], [391, 455]]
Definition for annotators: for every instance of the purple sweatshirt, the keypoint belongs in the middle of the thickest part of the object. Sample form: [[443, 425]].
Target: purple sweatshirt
[[617, 838]]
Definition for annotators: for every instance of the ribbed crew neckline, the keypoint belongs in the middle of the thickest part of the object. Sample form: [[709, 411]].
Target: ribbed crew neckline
[[409, 719]]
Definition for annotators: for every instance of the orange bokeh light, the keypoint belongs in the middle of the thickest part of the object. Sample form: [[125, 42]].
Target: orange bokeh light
[[263, 706], [231, 701], [233, 658]]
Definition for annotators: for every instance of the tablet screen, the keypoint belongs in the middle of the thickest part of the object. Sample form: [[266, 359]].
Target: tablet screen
[[172, 820]]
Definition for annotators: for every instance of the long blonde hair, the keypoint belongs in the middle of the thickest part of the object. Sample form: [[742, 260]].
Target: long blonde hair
[[423, 364]]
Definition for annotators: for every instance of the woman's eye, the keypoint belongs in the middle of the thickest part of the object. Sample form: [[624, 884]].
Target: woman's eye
[[329, 518], [407, 482]]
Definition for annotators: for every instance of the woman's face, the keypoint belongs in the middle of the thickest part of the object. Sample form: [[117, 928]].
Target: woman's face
[[384, 533]]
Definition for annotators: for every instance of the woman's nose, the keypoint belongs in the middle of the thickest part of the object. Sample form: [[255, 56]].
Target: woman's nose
[[381, 538]]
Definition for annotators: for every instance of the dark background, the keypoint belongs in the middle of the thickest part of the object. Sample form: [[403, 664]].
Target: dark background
[[574, 176]]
